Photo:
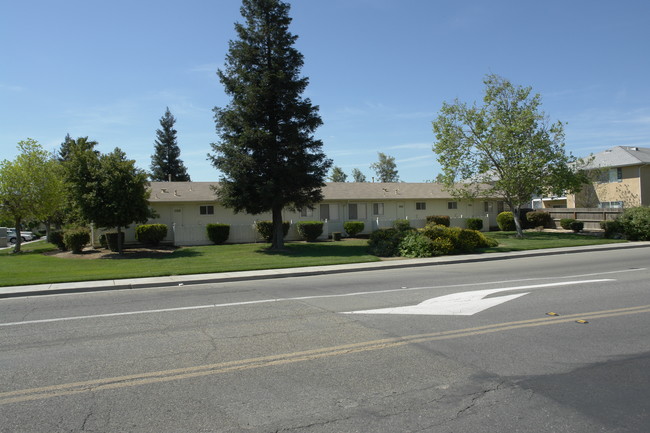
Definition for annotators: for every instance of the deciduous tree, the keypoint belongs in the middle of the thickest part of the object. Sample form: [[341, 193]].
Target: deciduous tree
[[505, 148], [338, 175], [385, 168], [267, 154], [358, 176]]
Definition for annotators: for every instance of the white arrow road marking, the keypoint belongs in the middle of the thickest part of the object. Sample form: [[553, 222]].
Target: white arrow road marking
[[466, 303]]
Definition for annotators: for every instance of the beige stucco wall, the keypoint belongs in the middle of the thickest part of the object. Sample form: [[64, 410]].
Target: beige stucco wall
[[187, 225], [628, 190]]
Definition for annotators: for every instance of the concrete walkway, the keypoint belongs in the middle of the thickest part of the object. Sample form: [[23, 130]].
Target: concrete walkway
[[180, 280]]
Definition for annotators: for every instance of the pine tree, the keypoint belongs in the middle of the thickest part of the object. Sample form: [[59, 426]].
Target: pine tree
[[267, 154], [165, 162]]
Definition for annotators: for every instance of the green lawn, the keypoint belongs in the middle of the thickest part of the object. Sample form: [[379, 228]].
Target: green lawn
[[540, 240], [33, 267]]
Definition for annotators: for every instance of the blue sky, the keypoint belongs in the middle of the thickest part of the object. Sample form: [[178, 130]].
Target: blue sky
[[379, 70]]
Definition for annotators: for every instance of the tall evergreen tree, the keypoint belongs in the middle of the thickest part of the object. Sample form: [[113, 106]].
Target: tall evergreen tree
[[267, 153], [165, 162]]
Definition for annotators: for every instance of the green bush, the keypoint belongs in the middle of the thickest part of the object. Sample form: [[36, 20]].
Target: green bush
[[442, 220], [457, 240], [151, 234], [576, 226], [265, 229], [506, 222], [565, 223], [76, 239], [442, 246], [56, 238], [218, 233], [539, 219], [474, 223], [111, 240], [635, 222], [385, 242], [416, 244], [353, 228], [612, 229], [402, 225], [310, 230]]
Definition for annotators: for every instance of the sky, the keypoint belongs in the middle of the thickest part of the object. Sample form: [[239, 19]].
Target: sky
[[379, 70]]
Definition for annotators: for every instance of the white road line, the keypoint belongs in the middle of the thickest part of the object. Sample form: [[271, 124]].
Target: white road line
[[301, 298]]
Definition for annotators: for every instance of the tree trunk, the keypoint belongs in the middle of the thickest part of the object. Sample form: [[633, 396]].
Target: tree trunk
[[277, 240], [119, 240], [19, 239], [516, 214]]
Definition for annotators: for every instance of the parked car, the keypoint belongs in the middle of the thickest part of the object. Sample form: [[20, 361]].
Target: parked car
[[25, 235]]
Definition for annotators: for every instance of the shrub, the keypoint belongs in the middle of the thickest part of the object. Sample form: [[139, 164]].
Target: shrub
[[265, 229], [539, 219], [442, 246], [474, 223], [385, 242], [635, 222], [612, 229], [218, 233], [565, 223], [352, 228], [576, 226], [76, 239], [457, 240], [111, 240], [416, 244], [506, 221], [402, 225], [442, 220], [310, 230], [151, 234], [523, 218], [102, 241], [56, 238]]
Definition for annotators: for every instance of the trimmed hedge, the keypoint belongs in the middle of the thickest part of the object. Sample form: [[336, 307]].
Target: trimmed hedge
[[218, 233], [635, 222], [576, 226], [151, 234], [451, 240], [612, 229], [310, 230], [539, 219], [506, 222], [402, 225], [76, 239], [265, 229], [385, 242], [474, 223], [353, 228], [443, 220], [565, 223], [56, 238]]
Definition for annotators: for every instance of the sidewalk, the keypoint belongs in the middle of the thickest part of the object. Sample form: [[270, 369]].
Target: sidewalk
[[223, 277]]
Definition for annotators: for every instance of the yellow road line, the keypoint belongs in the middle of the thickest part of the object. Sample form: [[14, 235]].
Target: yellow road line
[[294, 357]]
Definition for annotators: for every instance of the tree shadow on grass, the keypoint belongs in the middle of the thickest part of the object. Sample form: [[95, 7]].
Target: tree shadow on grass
[[317, 249]]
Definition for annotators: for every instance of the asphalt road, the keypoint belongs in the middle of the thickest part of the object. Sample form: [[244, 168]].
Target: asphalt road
[[340, 353]]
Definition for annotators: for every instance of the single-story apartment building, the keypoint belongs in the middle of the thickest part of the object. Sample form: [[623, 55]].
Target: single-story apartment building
[[187, 207]]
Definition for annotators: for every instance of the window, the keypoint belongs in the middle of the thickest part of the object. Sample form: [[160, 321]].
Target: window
[[612, 175], [357, 211], [306, 212], [324, 212], [206, 210], [486, 206], [452, 205], [610, 204], [352, 207], [377, 208], [420, 205]]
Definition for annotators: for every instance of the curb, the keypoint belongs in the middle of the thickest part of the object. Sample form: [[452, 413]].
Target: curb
[[226, 277]]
